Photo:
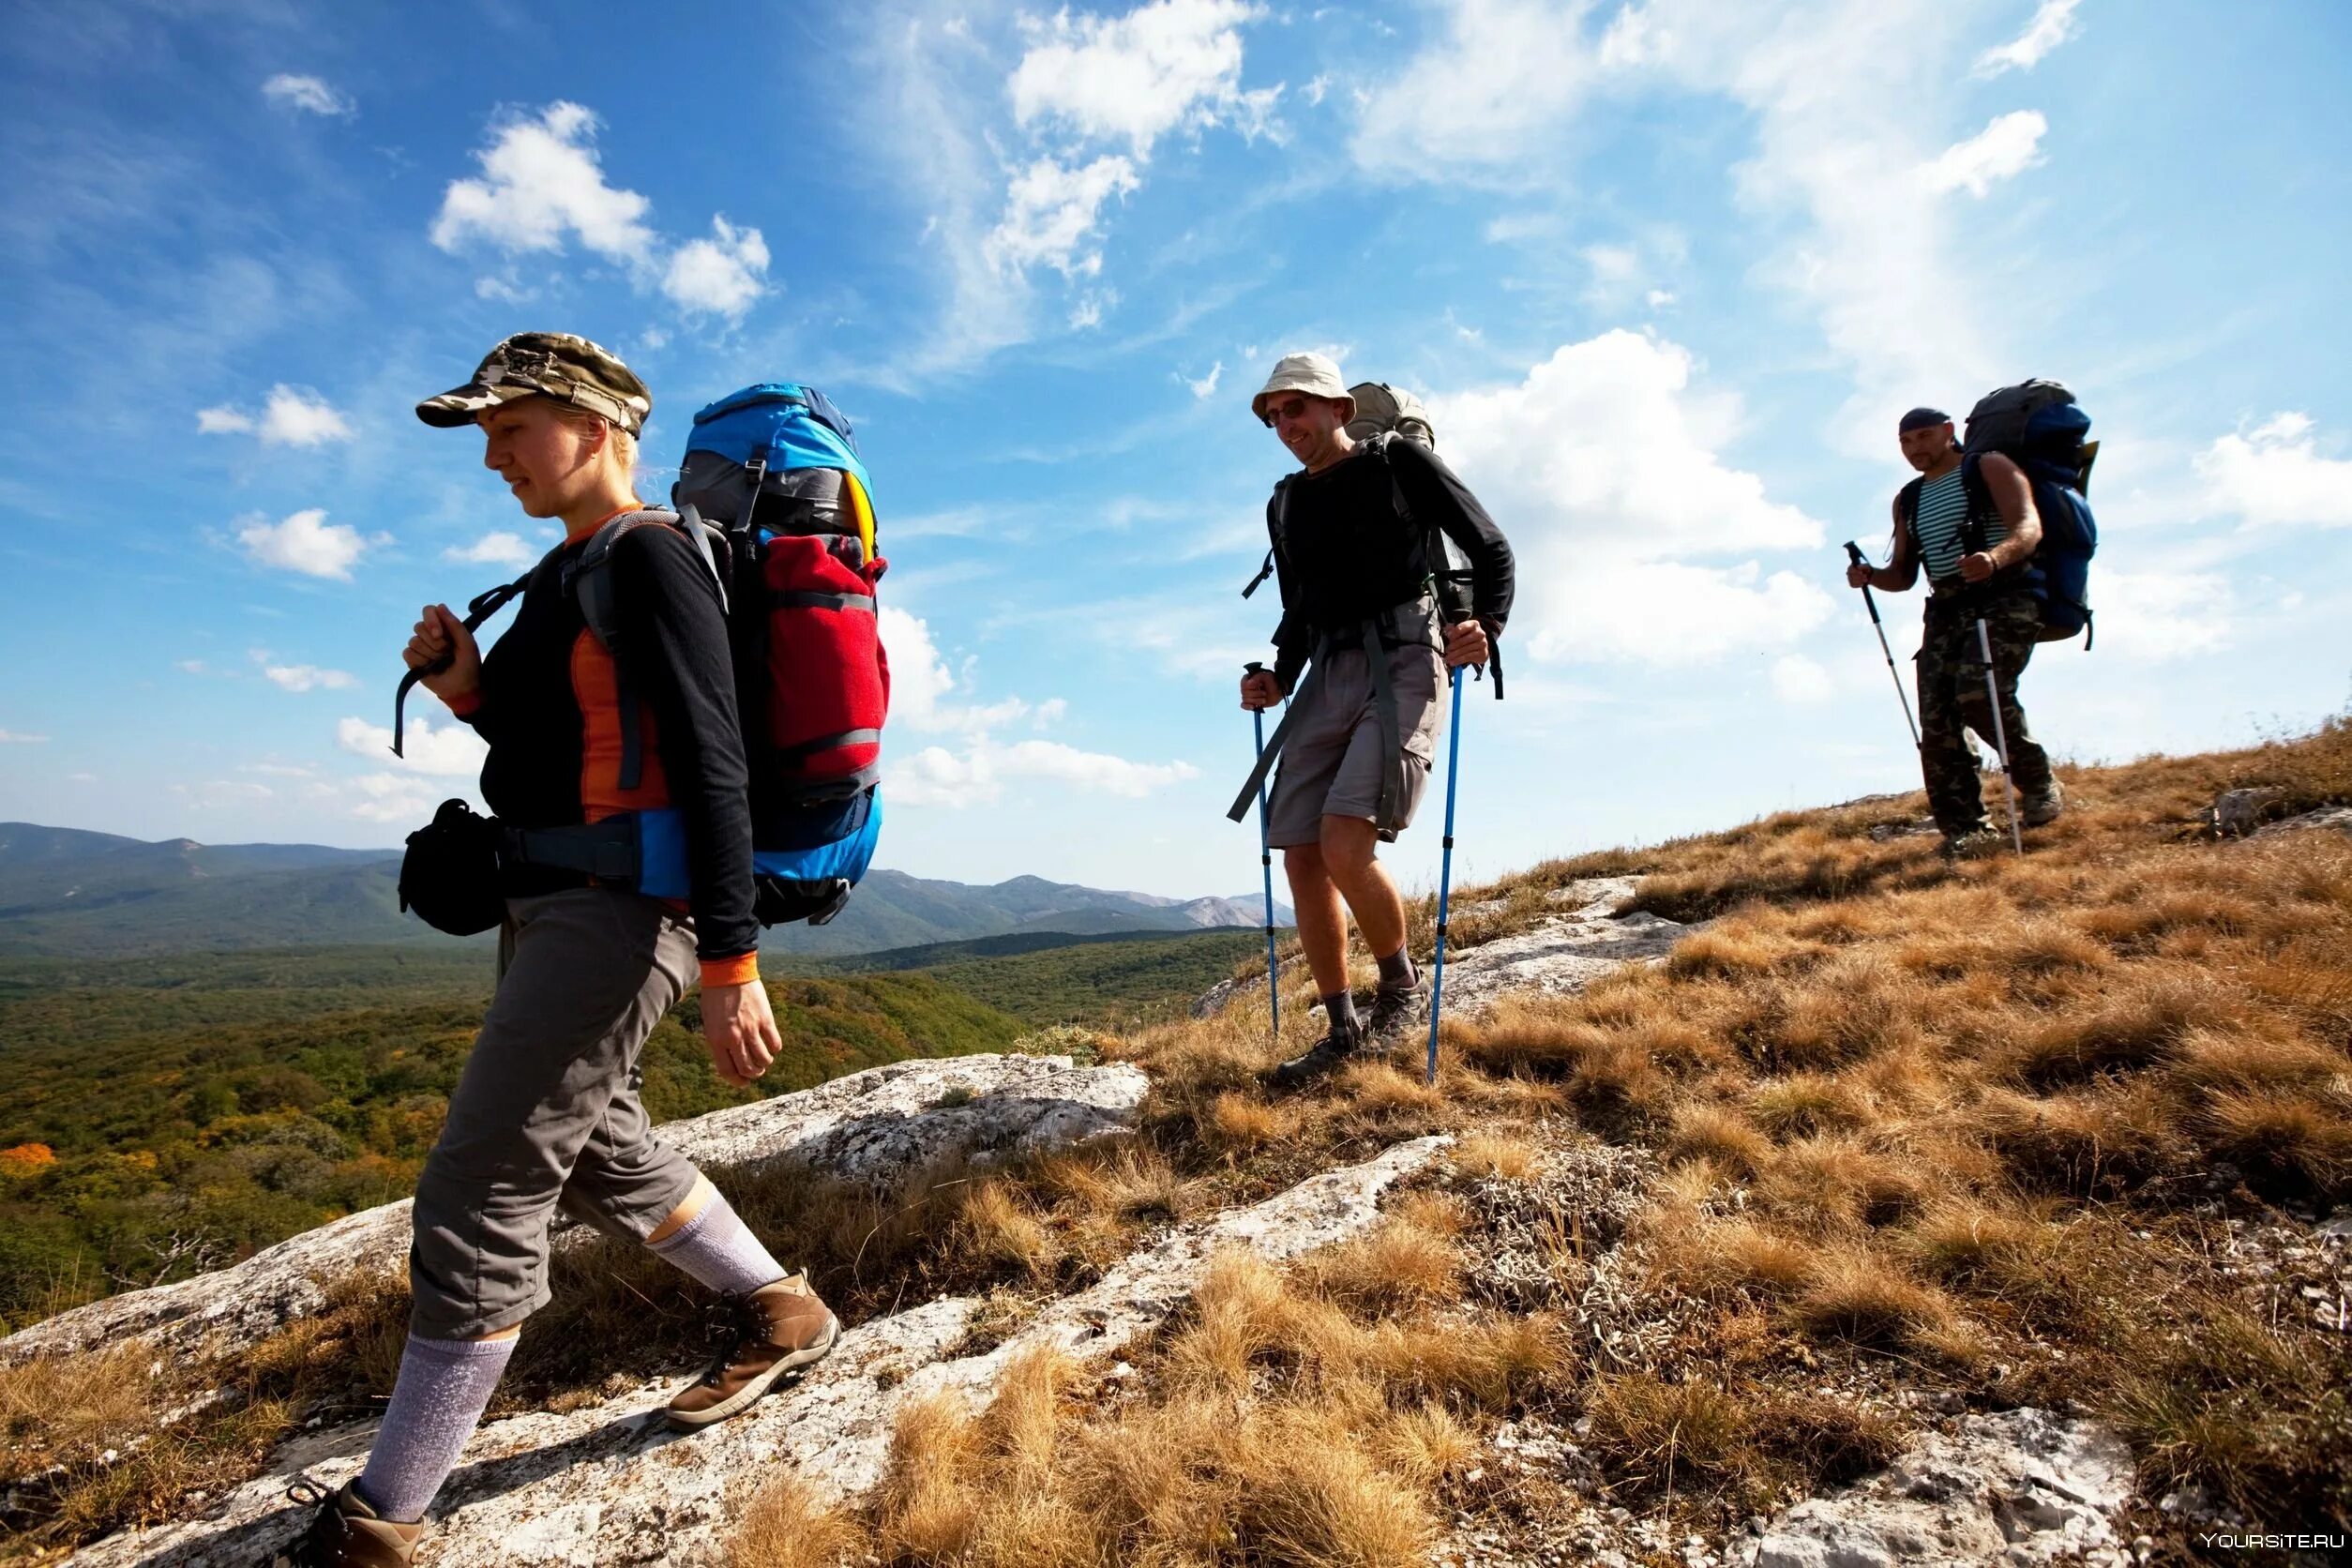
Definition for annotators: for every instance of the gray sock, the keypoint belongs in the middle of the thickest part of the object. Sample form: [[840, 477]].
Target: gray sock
[[437, 1400], [717, 1248], [1397, 973], [1341, 1009]]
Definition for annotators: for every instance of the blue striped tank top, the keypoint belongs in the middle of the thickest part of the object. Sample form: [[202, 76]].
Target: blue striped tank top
[[1943, 508]]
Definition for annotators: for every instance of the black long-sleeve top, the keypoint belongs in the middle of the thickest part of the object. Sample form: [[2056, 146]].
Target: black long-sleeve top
[[548, 708], [1343, 555]]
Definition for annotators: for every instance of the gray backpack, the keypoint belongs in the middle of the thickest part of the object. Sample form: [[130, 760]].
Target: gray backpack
[[1382, 408]]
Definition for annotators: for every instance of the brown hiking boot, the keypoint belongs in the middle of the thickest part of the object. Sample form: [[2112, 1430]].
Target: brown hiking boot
[[2042, 809], [775, 1330], [347, 1534]]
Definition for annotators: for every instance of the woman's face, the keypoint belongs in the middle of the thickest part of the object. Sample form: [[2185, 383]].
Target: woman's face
[[548, 461]]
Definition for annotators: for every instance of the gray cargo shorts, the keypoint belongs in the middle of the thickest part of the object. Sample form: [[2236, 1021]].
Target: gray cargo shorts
[[1333, 758], [547, 1114]]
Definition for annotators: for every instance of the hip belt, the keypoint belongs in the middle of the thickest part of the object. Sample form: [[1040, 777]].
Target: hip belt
[[812, 861]]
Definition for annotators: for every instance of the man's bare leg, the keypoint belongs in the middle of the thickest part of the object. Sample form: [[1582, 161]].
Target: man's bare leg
[[1323, 924], [1349, 860]]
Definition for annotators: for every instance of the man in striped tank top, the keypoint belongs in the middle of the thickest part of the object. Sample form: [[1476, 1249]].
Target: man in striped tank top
[[1974, 528]]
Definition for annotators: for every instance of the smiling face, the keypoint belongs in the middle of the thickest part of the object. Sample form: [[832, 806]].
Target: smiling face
[[1310, 426], [551, 463], [1928, 446]]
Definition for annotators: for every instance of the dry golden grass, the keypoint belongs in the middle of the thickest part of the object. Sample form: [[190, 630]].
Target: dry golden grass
[[787, 1527], [1302, 1419], [1914, 1116]]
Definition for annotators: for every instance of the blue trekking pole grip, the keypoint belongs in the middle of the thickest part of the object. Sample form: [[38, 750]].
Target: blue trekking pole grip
[[1265, 863], [1445, 869]]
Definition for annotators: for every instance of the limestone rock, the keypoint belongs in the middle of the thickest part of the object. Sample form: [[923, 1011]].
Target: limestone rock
[[1209, 1003], [610, 1485], [878, 1126], [2236, 813], [1563, 953], [2021, 1487], [2336, 817]]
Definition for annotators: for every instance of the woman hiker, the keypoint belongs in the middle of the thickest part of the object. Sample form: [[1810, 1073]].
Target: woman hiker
[[547, 1114]]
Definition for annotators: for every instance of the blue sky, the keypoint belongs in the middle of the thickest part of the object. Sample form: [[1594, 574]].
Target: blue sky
[[1667, 272]]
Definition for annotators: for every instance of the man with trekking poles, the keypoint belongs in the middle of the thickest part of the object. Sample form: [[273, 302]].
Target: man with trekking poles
[[1373, 608], [1971, 520]]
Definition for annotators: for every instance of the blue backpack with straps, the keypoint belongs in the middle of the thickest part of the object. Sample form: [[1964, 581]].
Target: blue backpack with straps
[[2040, 426], [773, 490]]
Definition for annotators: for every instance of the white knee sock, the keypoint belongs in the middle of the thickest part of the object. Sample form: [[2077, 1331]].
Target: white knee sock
[[721, 1251], [443, 1388]]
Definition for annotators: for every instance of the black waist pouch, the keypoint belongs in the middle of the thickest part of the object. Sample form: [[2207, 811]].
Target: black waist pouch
[[449, 876]]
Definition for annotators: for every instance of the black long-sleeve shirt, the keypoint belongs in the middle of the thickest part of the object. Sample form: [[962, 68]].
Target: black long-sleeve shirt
[[549, 709], [1343, 555]]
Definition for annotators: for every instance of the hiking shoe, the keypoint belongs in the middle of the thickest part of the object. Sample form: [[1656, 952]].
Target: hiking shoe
[[1392, 1011], [2042, 809], [1976, 841], [347, 1534], [1326, 1055], [777, 1329]]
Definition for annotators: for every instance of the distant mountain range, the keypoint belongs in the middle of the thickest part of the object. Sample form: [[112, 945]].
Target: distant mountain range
[[63, 891]]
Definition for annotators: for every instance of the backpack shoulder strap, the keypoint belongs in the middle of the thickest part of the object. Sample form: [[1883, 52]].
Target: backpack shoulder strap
[[1277, 516], [1976, 501], [1906, 502], [590, 580]]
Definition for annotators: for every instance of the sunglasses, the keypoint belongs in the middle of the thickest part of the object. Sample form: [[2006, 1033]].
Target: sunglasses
[[1290, 408]]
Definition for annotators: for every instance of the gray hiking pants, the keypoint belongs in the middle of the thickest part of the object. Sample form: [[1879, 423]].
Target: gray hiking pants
[[547, 1114]]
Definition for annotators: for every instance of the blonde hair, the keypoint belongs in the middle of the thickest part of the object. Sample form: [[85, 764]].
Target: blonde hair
[[620, 445]]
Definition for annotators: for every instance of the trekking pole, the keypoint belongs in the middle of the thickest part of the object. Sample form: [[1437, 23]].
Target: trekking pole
[[1445, 871], [1265, 863], [1854, 551], [2001, 739]]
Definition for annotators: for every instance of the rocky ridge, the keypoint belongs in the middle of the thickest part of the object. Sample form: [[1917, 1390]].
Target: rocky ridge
[[606, 1484]]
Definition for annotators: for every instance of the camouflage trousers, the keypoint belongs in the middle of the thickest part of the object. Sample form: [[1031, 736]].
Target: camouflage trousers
[[1952, 701]]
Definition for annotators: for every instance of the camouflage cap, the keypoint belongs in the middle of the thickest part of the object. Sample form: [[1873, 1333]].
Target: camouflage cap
[[546, 364]]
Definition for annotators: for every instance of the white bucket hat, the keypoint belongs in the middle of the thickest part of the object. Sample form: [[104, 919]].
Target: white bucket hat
[[1311, 373]]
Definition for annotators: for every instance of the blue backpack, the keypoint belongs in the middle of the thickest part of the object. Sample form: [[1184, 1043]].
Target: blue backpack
[[773, 486], [2040, 426]]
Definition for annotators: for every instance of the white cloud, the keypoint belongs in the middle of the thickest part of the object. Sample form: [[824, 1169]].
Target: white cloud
[[193, 667], [2007, 147], [1206, 387], [721, 275], [1843, 96], [310, 677], [18, 737], [449, 750], [2275, 476], [1506, 74], [541, 182], [1800, 680], [1168, 64], [500, 549], [309, 93], [290, 416], [938, 776], [2158, 616], [2053, 23], [305, 542], [1603, 466], [920, 681], [1051, 212], [543, 186], [392, 797]]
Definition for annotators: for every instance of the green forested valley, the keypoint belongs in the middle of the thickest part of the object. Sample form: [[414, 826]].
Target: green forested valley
[[162, 1115]]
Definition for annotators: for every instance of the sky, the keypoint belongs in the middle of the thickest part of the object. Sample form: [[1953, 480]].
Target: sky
[[1667, 272]]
